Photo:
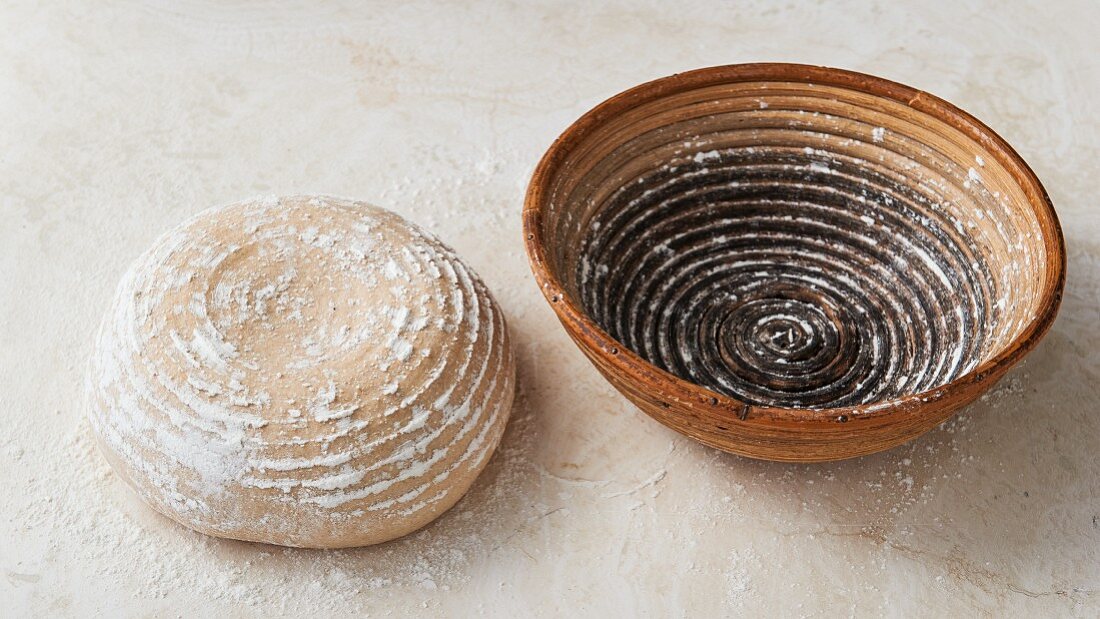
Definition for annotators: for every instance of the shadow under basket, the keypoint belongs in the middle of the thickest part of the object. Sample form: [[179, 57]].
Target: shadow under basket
[[791, 262]]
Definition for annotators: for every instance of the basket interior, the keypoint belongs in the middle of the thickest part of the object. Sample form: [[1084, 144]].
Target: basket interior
[[795, 245]]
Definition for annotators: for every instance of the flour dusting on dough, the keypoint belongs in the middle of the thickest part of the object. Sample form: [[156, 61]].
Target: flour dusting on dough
[[335, 376]]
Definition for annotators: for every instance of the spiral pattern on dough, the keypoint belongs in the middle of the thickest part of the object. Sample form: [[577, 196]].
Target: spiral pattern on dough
[[302, 371]]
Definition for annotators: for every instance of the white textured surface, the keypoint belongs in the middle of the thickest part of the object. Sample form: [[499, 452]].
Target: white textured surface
[[120, 121]]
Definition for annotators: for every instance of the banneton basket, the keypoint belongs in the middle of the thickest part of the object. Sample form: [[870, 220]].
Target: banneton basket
[[792, 262]]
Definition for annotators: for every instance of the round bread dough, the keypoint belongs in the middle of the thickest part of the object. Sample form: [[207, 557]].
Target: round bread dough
[[303, 371]]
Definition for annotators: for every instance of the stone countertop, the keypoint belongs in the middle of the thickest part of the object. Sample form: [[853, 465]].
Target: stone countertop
[[120, 120]]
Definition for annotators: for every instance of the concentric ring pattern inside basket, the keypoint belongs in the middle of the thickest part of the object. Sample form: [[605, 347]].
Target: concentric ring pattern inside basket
[[944, 231]]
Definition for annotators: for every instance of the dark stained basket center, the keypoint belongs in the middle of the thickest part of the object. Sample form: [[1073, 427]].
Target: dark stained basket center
[[785, 278], [792, 248]]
